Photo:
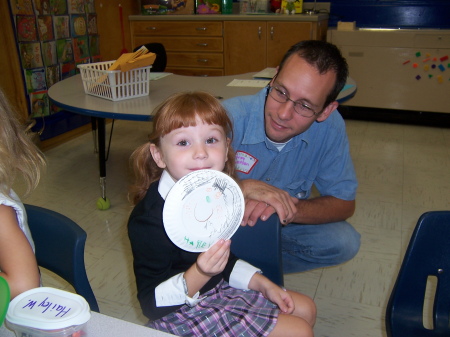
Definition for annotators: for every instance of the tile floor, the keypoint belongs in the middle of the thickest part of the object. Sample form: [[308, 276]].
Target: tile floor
[[402, 170]]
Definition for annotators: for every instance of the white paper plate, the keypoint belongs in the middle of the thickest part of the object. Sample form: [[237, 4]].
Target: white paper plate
[[202, 208]]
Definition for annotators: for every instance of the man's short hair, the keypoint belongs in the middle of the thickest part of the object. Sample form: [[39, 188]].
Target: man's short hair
[[325, 57]]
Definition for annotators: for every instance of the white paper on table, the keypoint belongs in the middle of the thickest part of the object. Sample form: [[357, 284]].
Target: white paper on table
[[157, 76], [267, 73], [248, 83]]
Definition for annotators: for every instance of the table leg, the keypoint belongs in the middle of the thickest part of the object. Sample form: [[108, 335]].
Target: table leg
[[94, 132], [103, 202]]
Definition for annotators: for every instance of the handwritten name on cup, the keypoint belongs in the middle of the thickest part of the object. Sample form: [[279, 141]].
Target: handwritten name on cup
[[46, 306]]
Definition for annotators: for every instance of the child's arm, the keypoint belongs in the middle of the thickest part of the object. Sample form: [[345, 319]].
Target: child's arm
[[17, 261], [209, 264], [272, 292]]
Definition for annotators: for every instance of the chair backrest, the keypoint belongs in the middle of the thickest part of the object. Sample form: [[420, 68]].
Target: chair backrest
[[161, 57], [260, 246], [428, 254], [60, 243]]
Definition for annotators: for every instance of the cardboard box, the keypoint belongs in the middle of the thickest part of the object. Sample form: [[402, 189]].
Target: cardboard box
[[341, 25]]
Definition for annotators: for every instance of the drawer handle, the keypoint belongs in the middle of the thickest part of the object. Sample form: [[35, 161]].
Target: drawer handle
[[202, 60], [151, 28], [201, 28], [202, 44], [271, 33], [259, 32]]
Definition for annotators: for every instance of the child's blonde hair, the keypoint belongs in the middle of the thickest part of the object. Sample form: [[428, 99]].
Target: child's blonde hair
[[17, 152], [178, 111]]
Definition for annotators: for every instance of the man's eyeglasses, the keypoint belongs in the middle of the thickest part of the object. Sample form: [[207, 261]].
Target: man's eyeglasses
[[299, 107]]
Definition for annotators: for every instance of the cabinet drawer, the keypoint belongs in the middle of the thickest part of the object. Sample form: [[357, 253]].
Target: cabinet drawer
[[179, 28], [204, 60], [200, 44], [196, 71]]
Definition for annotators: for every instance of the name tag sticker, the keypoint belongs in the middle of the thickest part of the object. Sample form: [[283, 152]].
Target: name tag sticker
[[245, 162]]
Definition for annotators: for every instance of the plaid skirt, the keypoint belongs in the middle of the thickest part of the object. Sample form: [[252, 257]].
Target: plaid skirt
[[225, 311]]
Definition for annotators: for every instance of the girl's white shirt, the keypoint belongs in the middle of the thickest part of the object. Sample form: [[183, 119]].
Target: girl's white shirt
[[13, 200]]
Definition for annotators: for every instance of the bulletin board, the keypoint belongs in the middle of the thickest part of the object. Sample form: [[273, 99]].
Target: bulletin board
[[53, 37]]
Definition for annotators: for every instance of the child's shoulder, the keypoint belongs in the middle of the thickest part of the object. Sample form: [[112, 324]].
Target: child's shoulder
[[151, 205]]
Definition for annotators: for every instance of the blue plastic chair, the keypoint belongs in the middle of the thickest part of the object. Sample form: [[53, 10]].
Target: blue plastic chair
[[59, 243], [428, 254], [260, 246]]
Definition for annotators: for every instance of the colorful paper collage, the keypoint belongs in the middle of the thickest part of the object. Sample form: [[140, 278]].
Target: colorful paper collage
[[53, 36], [430, 66]]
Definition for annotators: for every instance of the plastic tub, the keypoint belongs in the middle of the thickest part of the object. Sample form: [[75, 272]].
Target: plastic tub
[[43, 312]]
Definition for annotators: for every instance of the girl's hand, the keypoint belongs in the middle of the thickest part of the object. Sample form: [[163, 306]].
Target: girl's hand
[[214, 260], [273, 293], [280, 297]]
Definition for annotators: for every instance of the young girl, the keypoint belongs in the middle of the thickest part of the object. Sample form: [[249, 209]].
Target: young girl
[[199, 294], [17, 155]]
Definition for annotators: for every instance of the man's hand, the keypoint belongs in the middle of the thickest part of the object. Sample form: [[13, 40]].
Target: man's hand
[[262, 200]]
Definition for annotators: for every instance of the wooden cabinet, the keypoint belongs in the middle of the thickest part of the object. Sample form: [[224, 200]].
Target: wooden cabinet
[[215, 45], [255, 45], [193, 48]]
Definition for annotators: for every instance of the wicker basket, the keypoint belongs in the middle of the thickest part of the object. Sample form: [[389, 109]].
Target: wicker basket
[[114, 85]]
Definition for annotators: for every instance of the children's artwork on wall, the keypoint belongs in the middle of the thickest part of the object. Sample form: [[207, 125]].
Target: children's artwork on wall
[[39, 104], [92, 24], [53, 36], [42, 7], [24, 7], [59, 7], [64, 50], [90, 6], [76, 6], [94, 47], [35, 79], [78, 25], [61, 26], [26, 28], [81, 49], [67, 70], [49, 55], [45, 27], [52, 75], [30, 55]]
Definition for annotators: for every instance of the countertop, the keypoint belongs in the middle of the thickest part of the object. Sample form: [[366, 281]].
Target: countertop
[[232, 17]]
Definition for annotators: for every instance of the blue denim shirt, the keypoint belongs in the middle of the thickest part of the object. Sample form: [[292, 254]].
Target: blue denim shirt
[[318, 156]]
